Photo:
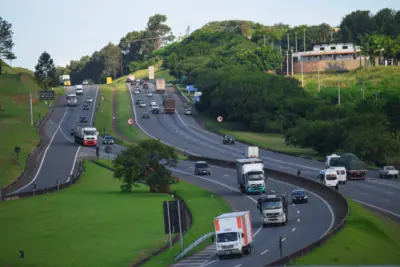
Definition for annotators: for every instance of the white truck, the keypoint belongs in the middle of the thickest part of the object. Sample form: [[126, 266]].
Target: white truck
[[160, 86], [86, 136], [72, 100], [250, 175], [273, 209], [389, 172], [79, 89], [64, 80], [252, 152], [328, 160], [329, 178], [234, 234]]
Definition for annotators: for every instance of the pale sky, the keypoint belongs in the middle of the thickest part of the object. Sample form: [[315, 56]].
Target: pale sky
[[70, 29]]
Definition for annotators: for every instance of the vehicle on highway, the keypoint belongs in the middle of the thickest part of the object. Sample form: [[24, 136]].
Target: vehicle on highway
[[85, 106], [108, 140], [329, 178], [79, 90], [133, 82], [234, 234], [328, 160], [160, 86], [85, 82], [136, 92], [250, 175], [155, 110], [153, 103], [252, 152], [138, 101], [72, 131], [201, 168], [83, 119], [89, 100], [149, 94], [299, 196], [355, 168], [86, 136], [188, 111], [145, 86], [273, 209], [72, 100], [169, 105], [145, 115], [142, 105], [341, 174], [388, 172], [228, 140]]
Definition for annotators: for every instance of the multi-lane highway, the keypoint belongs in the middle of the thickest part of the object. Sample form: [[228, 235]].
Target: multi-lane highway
[[184, 132]]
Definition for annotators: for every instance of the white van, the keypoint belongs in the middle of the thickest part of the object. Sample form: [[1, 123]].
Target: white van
[[329, 178], [341, 174]]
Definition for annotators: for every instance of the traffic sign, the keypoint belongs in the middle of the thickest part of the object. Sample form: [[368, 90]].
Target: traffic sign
[[47, 95], [130, 121], [220, 119]]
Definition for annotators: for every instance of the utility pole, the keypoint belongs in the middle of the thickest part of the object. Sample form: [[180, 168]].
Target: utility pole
[[338, 88], [363, 92], [319, 81], [264, 39], [31, 108], [302, 73], [304, 40], [295, 38], [288, 41], [331, 35], [287, 62], [292, 59]]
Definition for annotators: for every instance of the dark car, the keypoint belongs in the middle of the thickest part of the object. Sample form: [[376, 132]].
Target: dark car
[[83, 119], [145, 86], [72, 131], [108, 140], [228, 140], [299, 196], [155, 110], [201, 168], [138, 102], [85, 106], [133, 82], [146, 115]]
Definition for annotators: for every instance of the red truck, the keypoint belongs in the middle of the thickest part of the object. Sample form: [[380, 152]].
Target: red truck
[[169, 105]]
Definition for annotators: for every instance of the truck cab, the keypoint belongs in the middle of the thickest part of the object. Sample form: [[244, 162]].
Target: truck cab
[[329, 178], [86, 136], [250, 175], [79, 90], [234, 234], [72, 100], [273, 209], [328, 160]]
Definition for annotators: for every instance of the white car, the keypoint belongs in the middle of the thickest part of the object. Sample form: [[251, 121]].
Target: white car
[[149, 94], [136, 92], [188, 111], [89, 100], [153, 103], [142, 105], [155, 106], [389, 172]]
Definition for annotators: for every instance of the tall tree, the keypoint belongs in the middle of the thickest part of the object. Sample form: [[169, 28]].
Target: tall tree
[[270, 58], [356, 24], [386, 22], [45, 70], [112, 59], [156, 31], [6, 42]]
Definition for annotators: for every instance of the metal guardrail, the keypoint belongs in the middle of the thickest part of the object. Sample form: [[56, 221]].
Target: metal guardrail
[[194, 244]]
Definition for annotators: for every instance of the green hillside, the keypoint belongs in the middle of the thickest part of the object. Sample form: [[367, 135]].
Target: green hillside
[[15, 123]]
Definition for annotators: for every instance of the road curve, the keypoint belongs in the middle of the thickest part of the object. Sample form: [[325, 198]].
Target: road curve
[[184, 132], [59, 157]]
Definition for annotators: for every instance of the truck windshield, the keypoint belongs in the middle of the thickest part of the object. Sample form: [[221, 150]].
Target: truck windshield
[[390, 168], [272, 205], [201, 165], [331, 177], [227, 237], [89, 132], [255, 176]]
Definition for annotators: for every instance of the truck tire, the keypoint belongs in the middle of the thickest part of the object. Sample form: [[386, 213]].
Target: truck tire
[[221, 257], [247, 251]]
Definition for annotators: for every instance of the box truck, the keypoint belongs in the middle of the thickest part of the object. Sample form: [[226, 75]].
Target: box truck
[[160, 86], [250, 175], [234, 234]]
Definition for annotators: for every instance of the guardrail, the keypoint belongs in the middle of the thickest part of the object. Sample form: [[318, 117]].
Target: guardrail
[[194, 244], [341, 208]]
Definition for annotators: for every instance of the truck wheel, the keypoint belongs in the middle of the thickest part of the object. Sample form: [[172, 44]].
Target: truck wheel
[[247, 251], [221, 257]]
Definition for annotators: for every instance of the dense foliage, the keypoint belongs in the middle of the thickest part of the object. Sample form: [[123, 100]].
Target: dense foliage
[[45, 71], [6, 42]]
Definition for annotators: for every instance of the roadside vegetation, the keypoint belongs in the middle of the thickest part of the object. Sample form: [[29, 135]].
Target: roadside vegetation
[[366, 239], [15, 122]]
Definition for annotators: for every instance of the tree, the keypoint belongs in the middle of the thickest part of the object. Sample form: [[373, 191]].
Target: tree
[[270, 58], [112, 59], [155, 32], [356, 24], [6, 42], [146, 163], [45, 70]]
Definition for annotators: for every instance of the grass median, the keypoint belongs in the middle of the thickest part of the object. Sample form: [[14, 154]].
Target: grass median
[[275, 142], [15, 122], [366, 239], [94, 224]]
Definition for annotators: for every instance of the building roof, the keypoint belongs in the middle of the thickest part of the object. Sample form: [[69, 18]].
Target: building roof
[[324, 53]]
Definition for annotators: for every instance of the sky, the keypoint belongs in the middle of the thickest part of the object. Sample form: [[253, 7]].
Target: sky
[[70, 29]]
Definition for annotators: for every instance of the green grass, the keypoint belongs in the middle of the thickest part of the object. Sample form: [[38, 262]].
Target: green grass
[[271, 141], [144, 74], [90, 224], [103, 119], [182, 88], [366, 239], [375, 79], [15, 122]]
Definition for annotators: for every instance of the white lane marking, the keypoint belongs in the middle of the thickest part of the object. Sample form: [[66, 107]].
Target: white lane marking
[[298, 211], [209, 263], [141, 128], [226, 175], [387, 200], [265, 251], [73, 165], [375, 207], [238, 265], [283, 239], [298, 220], [44, 156], [390, 193], [294, 229]]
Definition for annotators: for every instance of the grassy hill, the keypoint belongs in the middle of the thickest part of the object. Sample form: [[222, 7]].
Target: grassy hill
[[15, 86]]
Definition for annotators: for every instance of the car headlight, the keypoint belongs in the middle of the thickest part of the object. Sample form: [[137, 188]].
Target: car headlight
[[305, 196]]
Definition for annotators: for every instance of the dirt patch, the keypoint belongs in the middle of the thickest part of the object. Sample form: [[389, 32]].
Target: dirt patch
[[23, 99]]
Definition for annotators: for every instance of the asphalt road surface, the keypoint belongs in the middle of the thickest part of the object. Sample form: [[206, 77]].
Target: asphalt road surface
[[183, 132]]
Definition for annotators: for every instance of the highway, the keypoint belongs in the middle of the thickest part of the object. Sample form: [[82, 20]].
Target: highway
[[185, 133]]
